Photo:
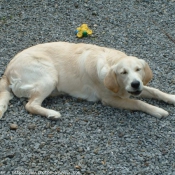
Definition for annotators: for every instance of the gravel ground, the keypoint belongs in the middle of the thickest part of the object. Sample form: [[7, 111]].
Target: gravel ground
[[90, 138]]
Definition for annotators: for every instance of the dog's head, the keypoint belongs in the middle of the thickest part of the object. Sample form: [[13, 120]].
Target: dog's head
[[130, 74]]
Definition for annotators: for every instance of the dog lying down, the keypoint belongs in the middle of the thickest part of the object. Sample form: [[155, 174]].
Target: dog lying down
[[81, 70]]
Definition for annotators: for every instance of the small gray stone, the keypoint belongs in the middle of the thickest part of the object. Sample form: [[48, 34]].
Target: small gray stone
[[80, 149], [76, 4], [32, 126], [94, 13]]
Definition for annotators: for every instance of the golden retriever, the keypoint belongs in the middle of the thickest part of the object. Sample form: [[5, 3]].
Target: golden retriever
[[81, 70]]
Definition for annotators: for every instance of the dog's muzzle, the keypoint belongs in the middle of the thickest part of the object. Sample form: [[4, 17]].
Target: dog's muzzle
[[138, 92]]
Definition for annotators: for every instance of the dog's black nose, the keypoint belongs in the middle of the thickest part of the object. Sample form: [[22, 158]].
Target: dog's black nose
[[135, 84]]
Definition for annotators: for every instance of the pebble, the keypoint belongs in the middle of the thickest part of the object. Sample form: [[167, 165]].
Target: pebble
[[76, 5], [13, 126], [94, 13], [31, 126], [80, 149], [11, 155]]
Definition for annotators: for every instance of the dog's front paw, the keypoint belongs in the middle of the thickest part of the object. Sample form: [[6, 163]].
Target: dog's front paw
[[159, 113], [171, 99], [54, 115]]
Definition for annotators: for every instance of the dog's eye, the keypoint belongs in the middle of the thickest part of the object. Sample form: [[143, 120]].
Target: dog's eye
[[138, 69], [124, 72]]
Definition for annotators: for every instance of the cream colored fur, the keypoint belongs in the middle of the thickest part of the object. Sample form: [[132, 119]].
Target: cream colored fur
[[81, 70]]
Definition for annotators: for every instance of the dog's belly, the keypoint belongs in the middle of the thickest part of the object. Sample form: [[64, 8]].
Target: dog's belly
[[85, 92]]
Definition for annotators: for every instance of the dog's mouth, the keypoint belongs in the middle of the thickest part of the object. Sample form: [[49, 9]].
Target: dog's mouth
[[135, 92]]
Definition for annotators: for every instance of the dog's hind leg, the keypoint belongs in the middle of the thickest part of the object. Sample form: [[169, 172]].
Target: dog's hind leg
[[36, 98], [5, 95]]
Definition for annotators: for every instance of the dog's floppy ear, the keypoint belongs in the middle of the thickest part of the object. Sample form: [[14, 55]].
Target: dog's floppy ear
[[147, 72], [110, 81]]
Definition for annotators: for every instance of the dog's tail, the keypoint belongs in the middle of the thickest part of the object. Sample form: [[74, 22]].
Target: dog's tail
[[5, 94]]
